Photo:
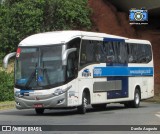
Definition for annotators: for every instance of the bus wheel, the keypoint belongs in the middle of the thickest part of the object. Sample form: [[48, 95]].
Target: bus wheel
[[39, 111], [127, 104], [99, 106], [82, 109], [136, 102]]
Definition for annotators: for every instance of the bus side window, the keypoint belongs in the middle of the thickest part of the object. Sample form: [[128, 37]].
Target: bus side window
[[72, 65], [123, 53], [110, 54], [87, 52], [75, 43], [100, 52], [139, 53], [148, 53], [132, 53]]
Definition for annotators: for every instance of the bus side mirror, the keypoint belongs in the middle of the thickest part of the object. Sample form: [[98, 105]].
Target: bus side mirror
[[6, 59], [65, 55]]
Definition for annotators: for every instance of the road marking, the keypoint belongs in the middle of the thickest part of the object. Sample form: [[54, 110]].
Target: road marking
[[158, 114]]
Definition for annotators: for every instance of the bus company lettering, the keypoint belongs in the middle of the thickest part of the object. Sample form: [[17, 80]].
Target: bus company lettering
[[98, 71], [140, 71], [86, 73]]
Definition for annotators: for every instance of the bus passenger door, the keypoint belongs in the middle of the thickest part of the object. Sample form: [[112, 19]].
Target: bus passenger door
[[72, 73]]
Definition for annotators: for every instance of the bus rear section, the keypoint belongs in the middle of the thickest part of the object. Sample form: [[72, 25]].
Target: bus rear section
[[117, 70]]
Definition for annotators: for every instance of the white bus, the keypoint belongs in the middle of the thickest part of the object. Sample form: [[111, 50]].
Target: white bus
[[75, 69]]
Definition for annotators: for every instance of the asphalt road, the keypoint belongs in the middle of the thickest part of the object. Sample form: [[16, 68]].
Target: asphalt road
[[115, 114]]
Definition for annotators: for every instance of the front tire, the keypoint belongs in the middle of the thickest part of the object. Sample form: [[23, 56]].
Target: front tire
[[99, 106], [82, 109], [136, 102], [39, 111]]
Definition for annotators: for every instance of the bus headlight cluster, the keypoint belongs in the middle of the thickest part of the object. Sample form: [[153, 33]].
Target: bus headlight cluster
[[60, 91]]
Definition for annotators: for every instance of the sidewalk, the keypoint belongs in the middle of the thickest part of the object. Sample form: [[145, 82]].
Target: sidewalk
[[7, 105]]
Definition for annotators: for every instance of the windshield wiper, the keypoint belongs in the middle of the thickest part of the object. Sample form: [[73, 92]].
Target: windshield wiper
[[46, 73], [31, 77], [44, 69], [47, 77]]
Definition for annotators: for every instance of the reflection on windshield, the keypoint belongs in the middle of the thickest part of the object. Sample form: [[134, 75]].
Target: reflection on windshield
[[39, 67]]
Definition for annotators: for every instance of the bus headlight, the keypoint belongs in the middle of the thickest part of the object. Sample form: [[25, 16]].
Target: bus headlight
[[60, 91]]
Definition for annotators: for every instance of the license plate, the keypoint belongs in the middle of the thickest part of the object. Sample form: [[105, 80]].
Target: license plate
[[38, 105]]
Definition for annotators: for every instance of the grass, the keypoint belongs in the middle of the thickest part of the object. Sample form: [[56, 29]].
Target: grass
[[7, 105], [155, 99]]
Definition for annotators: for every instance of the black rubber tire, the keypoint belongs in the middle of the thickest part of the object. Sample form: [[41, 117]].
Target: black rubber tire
[[82, 108], [127, 104], [39, 111], [136, 102], [99, 106]]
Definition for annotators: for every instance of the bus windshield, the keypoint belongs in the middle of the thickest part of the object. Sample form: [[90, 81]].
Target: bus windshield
[[39, 67]]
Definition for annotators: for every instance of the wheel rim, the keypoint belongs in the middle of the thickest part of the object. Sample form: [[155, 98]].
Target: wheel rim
[[137, 98], [85, 102]]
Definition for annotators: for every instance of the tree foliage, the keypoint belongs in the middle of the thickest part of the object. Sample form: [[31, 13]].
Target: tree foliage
[[20, 18], [6, 86]]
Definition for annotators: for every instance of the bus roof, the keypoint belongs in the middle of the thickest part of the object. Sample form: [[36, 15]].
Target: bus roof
[[59, 37], [137, 41]]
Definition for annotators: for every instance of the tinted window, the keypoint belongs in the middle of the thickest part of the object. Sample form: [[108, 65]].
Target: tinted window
[[115, 52], [103, 52], [72, 65], [139, 53]]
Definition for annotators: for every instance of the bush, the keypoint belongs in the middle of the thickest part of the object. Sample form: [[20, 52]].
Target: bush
[[20, 18], [6, 86]]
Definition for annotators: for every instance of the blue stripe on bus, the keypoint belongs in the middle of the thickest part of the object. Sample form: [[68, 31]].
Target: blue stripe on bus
[[122, 71], [113, 40], [23, 92]]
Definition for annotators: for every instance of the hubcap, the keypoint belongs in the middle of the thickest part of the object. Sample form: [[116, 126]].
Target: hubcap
[[137, 98], [85, 102]]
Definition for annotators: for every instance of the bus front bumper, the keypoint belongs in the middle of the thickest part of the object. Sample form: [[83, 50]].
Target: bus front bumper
[[39, 102]]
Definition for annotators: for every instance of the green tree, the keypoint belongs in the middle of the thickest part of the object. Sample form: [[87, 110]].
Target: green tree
[[21, 18], [6, 86]]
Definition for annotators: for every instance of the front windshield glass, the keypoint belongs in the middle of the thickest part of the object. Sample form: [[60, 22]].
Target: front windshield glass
[[39, 67]]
